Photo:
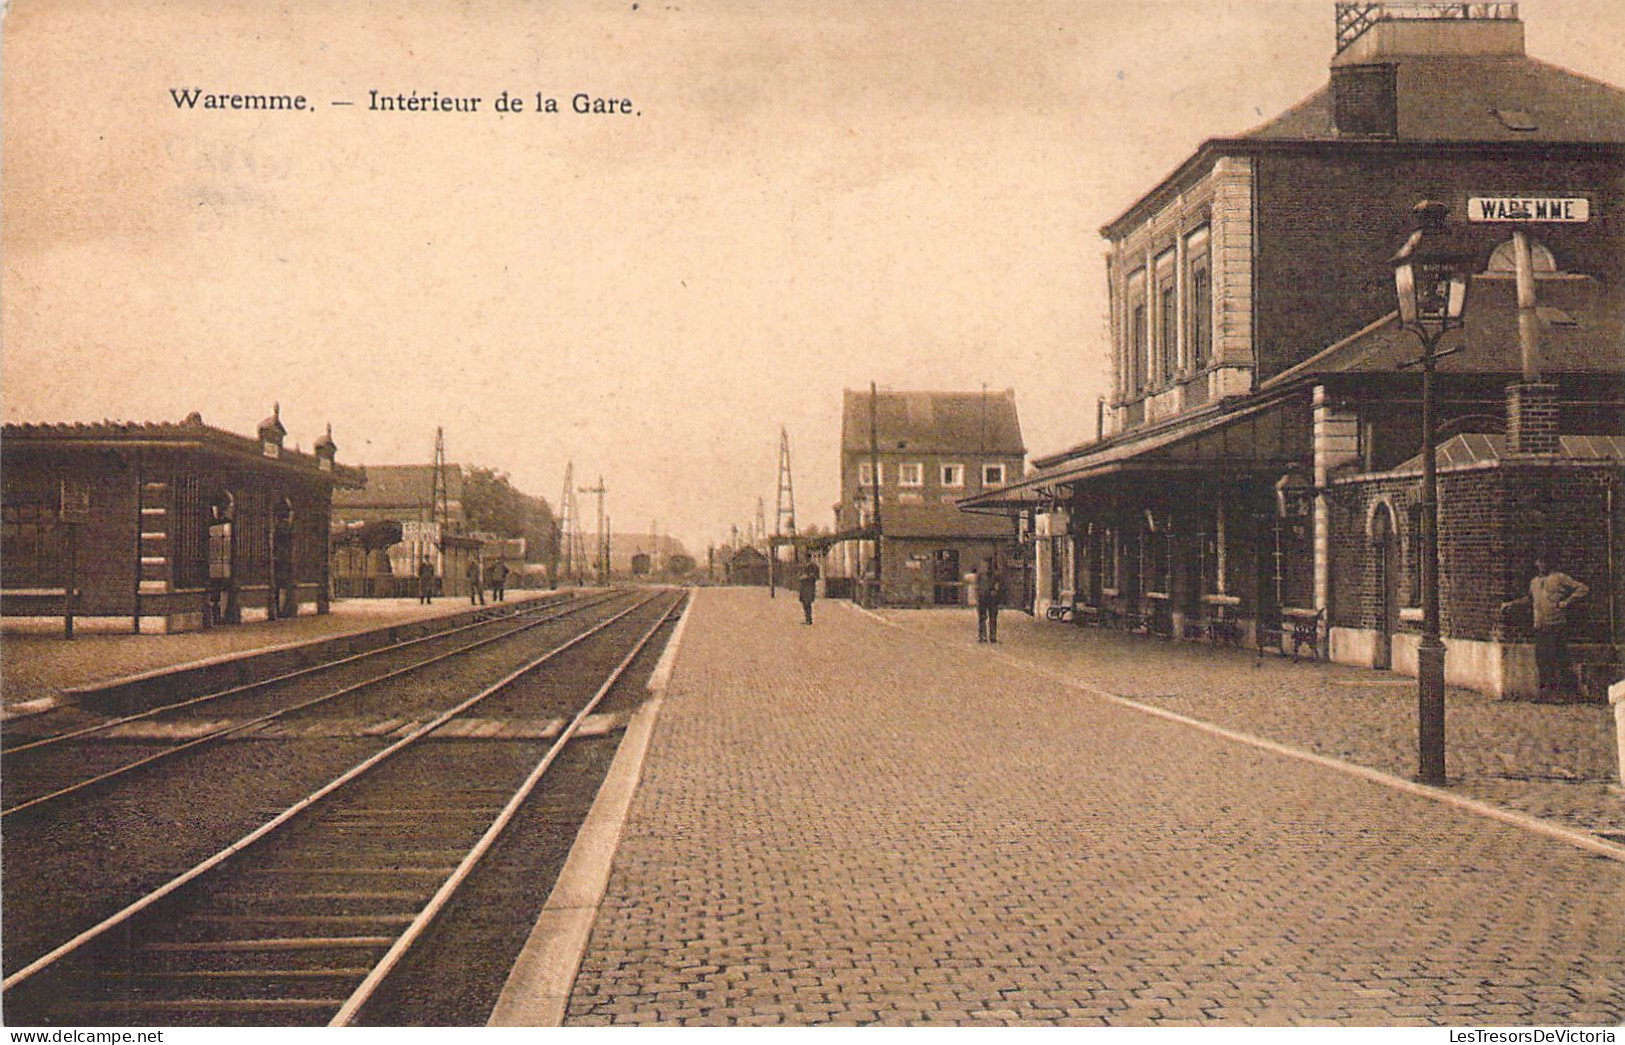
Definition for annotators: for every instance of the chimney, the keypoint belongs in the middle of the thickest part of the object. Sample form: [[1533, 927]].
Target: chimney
[[1365, 100], [272, 433], [1532, 419], [1375, 36], [326, 451]]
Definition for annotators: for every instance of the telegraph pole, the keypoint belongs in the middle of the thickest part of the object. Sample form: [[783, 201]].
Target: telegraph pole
[[603, 537], [874, 475]]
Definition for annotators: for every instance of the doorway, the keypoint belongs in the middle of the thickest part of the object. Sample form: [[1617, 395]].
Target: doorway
[[1385, 546], [945, 578], [223, 607]]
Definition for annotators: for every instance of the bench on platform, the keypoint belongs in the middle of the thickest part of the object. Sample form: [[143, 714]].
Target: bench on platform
[[1302, 627], [33, 602], [1075, 612]]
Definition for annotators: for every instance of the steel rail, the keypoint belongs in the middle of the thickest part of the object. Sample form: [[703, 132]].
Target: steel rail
[[226, 731], [112, 921], [413, 932], [101, 727]]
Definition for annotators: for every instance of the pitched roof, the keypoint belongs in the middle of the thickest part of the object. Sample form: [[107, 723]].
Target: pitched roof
[[400, 486], [945, 422], [944, 521], [1475, 449], [191, 432], [1583, 332], [1459, 99], [1463, 99]]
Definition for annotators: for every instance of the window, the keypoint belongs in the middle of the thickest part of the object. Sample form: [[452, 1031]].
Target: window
[[1168, 331], [1139, 350], [31, 543], [1201, 321], [1136, 370], [1108, 559], [911, 473], [953, 475], [993, 475], [866, 475], [1198, 299]]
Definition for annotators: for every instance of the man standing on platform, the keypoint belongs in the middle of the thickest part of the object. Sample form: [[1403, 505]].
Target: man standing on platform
[[807, 588], [1550, 593], [476, 583], [499, 580], [989, 597], [425, 580]]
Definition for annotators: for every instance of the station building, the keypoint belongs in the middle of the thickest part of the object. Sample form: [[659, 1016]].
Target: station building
[[932, 449], [1257, 472], [174, 526], [383, 530]]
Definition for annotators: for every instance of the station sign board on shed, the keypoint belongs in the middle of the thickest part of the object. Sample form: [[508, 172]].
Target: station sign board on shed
[[1563, 209]]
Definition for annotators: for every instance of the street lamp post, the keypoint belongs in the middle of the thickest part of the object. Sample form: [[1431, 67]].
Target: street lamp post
[[1432, 280]]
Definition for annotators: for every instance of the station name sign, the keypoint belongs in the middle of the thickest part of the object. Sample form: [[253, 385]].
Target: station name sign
[[1572, 209]]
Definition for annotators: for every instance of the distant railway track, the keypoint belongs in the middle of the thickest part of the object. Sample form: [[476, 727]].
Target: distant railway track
[[78, 765], [301, 920]]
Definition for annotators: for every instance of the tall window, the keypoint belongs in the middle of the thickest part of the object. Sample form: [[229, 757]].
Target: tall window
[[1168, 331], [1199, 313], [953, 475], [1137, 344], [1108, 558], [1139, 349], [993, 475], [911, 473], [866, 473]]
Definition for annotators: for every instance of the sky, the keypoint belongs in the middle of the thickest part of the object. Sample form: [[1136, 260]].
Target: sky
[[803, 198]]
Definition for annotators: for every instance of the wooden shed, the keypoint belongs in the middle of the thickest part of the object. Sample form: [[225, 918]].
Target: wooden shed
[[176, 526]]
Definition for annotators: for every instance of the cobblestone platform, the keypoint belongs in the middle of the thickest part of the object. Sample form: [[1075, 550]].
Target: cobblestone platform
[[856, 823], [1556, 761]]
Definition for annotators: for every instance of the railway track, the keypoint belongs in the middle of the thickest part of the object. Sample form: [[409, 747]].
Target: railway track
[[302, 920], [45, 769]]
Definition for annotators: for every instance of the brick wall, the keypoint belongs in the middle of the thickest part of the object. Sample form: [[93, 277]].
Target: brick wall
[[1328, 223], [1491, 522]]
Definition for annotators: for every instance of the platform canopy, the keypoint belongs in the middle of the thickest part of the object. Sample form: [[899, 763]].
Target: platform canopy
[[1263, 438]]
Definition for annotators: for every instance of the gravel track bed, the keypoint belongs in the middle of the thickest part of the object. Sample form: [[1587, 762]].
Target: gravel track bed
[[562, 691], [429, 683], [30, 776], [455, 974], [119, 845], [68, 866], [420, 694], [64, 874]]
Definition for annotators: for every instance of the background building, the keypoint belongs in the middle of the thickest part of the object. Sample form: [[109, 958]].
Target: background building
[[932, 448], [430, 527]]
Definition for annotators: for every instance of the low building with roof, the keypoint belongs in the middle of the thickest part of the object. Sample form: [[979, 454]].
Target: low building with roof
[[175, 526], [427, 526], [929, 450], [1256, 476]]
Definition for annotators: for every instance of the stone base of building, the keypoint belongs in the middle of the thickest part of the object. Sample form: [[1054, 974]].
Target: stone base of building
[[172, 623], [1497, 669]]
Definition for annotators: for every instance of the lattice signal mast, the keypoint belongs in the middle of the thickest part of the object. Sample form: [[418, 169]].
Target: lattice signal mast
[[441, 507], [784, 524]]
